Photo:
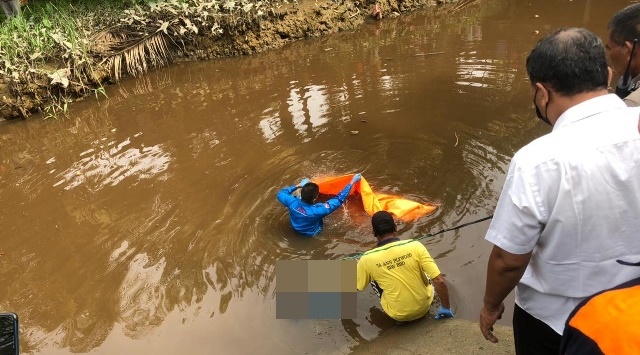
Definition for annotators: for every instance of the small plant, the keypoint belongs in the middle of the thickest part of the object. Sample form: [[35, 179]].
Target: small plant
[[57, 108], [101, 91]]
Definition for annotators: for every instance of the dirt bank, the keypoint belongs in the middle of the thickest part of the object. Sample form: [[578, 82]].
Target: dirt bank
[[50, 86], [294, 22]]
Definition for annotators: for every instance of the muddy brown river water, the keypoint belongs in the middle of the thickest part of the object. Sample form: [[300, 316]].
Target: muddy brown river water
[[146, 223]]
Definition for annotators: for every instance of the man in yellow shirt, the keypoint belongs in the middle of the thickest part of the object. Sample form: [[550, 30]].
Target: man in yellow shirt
[[401, 273]]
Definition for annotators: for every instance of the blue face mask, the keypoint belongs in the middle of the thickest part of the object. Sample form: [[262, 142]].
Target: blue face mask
[[538, 113]]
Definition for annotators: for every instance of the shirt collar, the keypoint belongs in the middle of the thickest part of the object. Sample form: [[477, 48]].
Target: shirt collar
[[387, 241], [589, 108]]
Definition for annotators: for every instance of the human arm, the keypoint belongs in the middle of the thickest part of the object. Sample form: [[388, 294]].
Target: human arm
[[284, 195], [440, 285], [363, 277], [333, 203], [504, 270], [429, 267]]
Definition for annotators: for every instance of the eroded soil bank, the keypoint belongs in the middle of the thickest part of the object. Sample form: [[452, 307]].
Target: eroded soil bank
[[49, 87]]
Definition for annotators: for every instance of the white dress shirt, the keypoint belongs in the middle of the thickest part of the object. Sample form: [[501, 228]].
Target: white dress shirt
[[573, 197]]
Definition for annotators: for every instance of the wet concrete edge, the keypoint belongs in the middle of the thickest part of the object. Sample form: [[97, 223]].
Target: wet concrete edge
[[430, 336]]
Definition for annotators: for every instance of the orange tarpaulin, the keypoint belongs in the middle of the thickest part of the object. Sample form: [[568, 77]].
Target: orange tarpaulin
[[403, 209]]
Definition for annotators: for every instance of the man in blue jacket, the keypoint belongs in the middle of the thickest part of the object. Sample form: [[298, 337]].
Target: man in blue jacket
[[306, 215]]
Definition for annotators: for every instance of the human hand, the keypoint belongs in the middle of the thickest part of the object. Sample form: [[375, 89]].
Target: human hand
[[356, 178], [304, 182], [444, 313], [488, 318]]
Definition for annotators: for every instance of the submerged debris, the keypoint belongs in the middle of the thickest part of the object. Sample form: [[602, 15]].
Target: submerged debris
[[376, 12]]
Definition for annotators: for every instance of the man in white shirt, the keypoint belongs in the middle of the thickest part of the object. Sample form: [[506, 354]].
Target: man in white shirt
[[570, 205], [624, 51]]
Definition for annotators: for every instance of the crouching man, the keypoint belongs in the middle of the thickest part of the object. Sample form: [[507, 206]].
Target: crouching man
[[401, 273]]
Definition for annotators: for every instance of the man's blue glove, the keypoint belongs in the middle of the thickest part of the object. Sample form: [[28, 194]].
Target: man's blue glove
[[304, 182], [444, 313], [356, 178]]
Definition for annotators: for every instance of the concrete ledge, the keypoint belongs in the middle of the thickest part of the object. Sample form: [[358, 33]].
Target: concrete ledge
[[430, 336]]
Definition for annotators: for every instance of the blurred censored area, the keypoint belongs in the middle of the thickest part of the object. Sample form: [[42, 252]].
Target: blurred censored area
[[316, 289]]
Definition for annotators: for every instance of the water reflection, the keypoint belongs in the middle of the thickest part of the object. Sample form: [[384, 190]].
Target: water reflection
[[308, 107], [141, 296], [485, 73], [152, 216], [108, 168]]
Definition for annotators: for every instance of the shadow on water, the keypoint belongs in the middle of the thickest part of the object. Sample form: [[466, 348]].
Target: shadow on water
[[148, 223]]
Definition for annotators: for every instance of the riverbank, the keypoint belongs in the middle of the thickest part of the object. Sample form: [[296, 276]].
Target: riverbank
[[428, 336], [53, 57]]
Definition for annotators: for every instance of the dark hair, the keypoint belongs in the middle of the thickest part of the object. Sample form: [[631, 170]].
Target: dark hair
[[382, 223], [571, 61], [625, 25], [309, 192]]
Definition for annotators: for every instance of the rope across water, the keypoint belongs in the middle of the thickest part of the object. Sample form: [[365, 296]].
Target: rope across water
[[355, 256]]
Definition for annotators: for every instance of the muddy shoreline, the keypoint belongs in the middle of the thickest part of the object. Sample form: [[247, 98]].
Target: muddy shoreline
[[280, 25]]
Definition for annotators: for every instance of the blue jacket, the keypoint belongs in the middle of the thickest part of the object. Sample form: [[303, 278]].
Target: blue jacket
[[305, 218]]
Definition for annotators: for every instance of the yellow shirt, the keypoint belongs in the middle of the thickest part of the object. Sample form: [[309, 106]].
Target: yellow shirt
[[399, 268]]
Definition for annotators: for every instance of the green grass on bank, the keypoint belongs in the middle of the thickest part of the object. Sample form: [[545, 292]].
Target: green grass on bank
[[51, 28], [32, 33], [62, 32], [58, 50], [45, 31], [47, 38]]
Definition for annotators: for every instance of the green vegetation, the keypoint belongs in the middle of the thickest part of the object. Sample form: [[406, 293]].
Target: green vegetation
[[68, 48], [53, 30], [61, 50], [49, 45], [40, 32]]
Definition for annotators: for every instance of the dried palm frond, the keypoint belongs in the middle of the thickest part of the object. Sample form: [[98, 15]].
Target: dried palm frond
[[104, 41], [133, 54]]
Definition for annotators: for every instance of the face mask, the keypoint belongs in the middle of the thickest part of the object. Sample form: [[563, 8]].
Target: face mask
[[623, 90], [625, 87], [538, 113]]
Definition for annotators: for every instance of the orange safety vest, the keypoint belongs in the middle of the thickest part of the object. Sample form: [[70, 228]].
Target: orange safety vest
[[605, 323], [401, 208]]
